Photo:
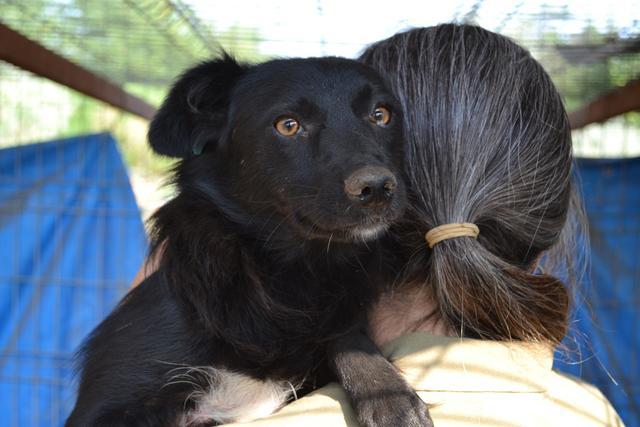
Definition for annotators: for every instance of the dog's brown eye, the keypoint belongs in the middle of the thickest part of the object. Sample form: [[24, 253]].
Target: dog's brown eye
[[381, 116], [287, 126]]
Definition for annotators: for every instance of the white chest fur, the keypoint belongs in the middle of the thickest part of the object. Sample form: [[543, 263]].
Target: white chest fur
[[231, 396]]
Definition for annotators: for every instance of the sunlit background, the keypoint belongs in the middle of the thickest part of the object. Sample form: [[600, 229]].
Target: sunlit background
[[589, 48]]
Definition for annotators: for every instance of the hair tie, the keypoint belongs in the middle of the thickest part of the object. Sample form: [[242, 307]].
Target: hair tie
[[449, 231]]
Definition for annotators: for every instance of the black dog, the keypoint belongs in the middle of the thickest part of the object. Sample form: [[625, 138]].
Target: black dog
[[268, 254]]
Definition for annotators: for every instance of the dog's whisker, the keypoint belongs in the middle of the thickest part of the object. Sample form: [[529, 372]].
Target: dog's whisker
[[168, 384]]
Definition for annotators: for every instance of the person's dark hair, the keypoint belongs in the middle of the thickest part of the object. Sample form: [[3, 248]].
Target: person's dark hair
[[488, 142]]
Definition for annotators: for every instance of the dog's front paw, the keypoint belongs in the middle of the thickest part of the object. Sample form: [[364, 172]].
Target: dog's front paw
[[400, 407]]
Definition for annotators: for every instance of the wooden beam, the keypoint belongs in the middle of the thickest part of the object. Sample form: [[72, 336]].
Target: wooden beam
[[31, 56], [610, 104]]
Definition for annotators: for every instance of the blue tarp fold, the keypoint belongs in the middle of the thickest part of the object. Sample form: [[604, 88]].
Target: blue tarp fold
[[71, 240], [604, 345]]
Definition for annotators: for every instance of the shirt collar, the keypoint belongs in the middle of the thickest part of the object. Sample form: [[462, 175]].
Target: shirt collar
[[439, 363]]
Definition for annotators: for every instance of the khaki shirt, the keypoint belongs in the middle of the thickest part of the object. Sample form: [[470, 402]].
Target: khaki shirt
[[468, 383]]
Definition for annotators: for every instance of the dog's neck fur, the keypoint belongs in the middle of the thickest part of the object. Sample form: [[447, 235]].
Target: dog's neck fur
[[255, 294]]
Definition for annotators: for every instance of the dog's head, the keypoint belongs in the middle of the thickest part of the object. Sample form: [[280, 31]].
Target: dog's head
[[309, 145]]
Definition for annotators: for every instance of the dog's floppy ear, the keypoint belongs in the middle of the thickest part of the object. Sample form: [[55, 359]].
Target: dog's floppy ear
[[194, 112]]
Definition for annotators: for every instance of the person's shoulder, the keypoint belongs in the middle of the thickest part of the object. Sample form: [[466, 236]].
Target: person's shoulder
[[580, 402], [328, 406]]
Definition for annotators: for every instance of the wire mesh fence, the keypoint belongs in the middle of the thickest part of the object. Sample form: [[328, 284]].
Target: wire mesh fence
[[587, 47], [71, 239], [35, 109]]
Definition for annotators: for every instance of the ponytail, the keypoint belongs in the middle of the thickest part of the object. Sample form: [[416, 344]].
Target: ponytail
[[482, 296], [488, 142]]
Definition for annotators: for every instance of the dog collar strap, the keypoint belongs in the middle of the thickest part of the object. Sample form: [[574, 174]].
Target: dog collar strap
[[450, 231]]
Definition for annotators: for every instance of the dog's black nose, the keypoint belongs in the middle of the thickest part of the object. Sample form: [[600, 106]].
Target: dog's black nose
[[372, 186]]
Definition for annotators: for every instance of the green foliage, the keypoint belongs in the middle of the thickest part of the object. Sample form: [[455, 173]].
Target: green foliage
[[584, 81], [242, 43], [141, 45]]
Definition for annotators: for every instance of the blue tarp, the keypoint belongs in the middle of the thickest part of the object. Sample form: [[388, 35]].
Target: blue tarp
[[604, 346], [71, 240]]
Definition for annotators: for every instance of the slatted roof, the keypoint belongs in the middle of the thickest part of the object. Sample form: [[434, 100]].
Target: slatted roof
[[146, 43]]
